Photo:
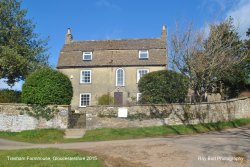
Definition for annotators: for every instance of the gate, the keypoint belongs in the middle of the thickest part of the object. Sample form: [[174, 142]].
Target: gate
[[77, 120]]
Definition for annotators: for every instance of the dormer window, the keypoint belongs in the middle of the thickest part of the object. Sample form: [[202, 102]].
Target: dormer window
[[143, 54], [87, 55]]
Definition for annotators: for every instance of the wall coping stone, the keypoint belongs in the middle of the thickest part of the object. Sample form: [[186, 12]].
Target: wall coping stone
[[168, 104]]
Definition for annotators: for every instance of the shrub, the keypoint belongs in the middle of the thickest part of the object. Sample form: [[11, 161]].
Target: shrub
[[47, 86], [10, 96], [105, 99], [163, 87], [39, 111]]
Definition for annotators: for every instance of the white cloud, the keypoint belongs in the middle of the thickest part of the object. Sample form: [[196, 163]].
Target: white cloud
[[238, 10], [17, 86], [241, 15]]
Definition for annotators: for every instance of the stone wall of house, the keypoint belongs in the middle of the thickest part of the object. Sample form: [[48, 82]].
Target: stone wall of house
[[170, 114], [14, 118], [103, 81]]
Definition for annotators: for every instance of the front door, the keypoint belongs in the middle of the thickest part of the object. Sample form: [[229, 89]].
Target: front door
[[118, 97]]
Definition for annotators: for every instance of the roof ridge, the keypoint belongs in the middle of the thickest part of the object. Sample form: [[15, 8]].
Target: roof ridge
[[125, 39]]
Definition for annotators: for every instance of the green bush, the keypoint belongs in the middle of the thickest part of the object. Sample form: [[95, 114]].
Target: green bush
[[163, 87], [10, 96], [47, 86], [105, 99]]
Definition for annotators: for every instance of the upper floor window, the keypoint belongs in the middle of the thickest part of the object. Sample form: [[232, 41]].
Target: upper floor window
[[141, 72], [120, 77], [85, 99], [143, 54], [87, 55], [85, 76]]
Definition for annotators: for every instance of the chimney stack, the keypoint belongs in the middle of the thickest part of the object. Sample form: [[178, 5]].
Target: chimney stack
[[164, 33], [69, 37]]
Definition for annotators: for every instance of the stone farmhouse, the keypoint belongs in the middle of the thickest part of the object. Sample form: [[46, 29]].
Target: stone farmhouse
[[114, 67]]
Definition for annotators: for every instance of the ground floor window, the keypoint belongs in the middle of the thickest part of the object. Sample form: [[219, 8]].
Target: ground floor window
[[138, 96], [85, 99]]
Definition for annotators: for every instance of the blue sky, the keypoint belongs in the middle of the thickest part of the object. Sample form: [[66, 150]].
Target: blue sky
[[116, 19]]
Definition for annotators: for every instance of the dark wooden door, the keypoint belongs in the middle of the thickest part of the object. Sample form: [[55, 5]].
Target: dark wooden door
[[118, 97]]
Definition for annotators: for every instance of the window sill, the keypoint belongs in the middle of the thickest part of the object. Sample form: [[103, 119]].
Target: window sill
[[85, 83], [83, 106]]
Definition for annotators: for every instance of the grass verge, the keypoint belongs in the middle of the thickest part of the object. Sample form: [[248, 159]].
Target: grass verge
[[35, 136], [56, 136], [27, 154], [156, 131]]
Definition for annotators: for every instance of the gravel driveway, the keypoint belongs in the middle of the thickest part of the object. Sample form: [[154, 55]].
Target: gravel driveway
[[215, 149]]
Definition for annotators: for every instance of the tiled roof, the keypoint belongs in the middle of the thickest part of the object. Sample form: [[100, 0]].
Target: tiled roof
[[113, 53]]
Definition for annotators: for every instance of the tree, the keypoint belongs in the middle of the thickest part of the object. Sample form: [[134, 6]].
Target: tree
[[21, 51], [47, 86], [163, 87], [235, 79], [10, 96], [205, 59], [248, 32], [248, 42]]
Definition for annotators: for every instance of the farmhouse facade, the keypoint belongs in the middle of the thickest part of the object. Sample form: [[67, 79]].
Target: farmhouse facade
[[114, 67]]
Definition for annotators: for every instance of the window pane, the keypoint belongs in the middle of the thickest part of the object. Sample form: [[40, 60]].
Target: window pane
[[138, 96], [143, 54], [87, 55], [86, 76], [120, 77], [85, 99]]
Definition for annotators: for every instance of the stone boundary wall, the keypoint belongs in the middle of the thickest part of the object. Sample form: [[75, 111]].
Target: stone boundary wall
[[12, 118], [169, 114]]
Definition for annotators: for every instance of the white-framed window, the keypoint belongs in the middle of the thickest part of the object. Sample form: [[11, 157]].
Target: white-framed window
[[120, 77], [143, 54], [85, 76], [85, 99], [141, 72], [138, 96], [87, 55]]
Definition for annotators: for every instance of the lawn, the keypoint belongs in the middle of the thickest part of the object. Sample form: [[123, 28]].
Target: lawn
[[27, 157], [56, 136]]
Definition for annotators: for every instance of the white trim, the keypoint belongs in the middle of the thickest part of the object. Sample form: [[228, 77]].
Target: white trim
[[81, 81], [81, 99], [138, 95], [83, 54], [138, 74], [143, 50], [123, 83]]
